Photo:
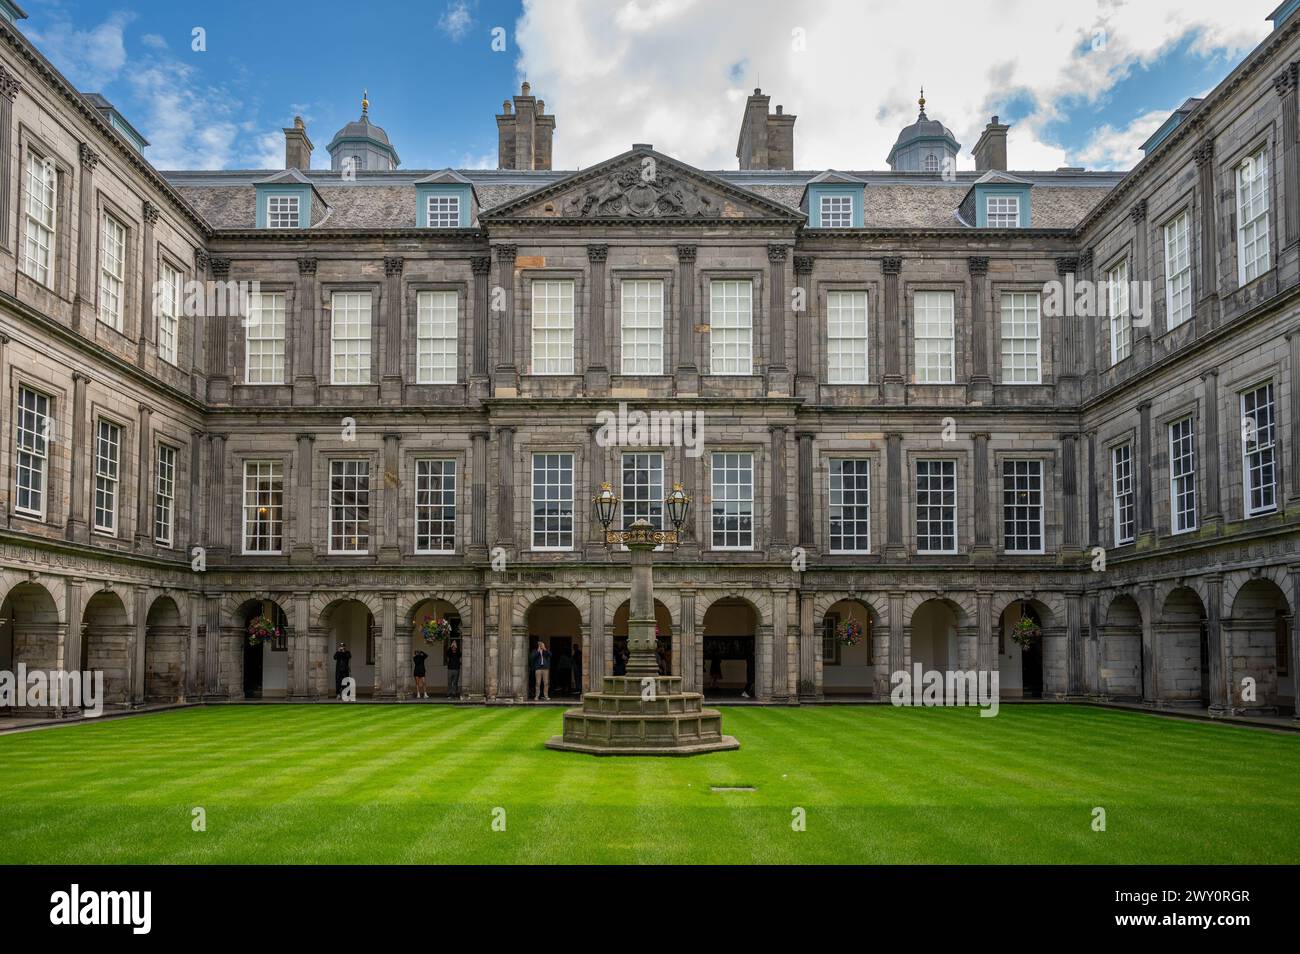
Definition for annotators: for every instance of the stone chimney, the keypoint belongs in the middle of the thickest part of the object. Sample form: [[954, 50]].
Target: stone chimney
[[991, 151], [524, 132], [766, 140], [297, 147]]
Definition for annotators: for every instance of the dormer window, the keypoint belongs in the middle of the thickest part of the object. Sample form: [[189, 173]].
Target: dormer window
[[931, 163], [444, 211], [282, 212], [836, 211], [1003, 211]]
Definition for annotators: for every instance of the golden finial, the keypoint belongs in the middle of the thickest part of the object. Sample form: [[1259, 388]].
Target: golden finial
[[365, 101], [921, 101]]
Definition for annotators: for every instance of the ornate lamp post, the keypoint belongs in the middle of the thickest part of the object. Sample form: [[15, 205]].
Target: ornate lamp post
[[642, 712]]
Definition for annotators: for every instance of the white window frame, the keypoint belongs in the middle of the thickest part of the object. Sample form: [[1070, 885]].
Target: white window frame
[[1117, 306], [437, 326], [283, 211], [40, 216], [642, 497], [432, 503], [564, 513], [264, 335], [169, 291], [112, 271], [442, 211], [263, 489], [351, 328], [1123, 493], [923, 493], [164, 502], [860, 519], [1253, 199], [350, 490], [642, 326], [34, 426], [848, 337], [553, 323], [731, 327], [108, 476], [934, 330], [1178, 270], [1027, 511], [1261, 435], [1002, 211], [836, 211], [731, 499], [1182, 475], [1022, 338]]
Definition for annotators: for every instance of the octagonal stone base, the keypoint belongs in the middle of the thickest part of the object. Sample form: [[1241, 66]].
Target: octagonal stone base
[[626, 719]]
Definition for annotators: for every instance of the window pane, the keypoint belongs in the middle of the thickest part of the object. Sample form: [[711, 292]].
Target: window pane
[[350, 338], [1182, 475], [731, 327], [643, 327], [553, 327], [436, 337], [1122, 480], [733, 501], [1259, 437], [1022, 506], [435, 506], [552, 501], [1021, 338], [349, 506], [264, 339], [846, 337], [263, 506], [108, 450], [934, 337], [850, 506], [936, 506]]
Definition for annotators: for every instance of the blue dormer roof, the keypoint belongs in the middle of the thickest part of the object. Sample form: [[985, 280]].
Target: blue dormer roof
[[832, 183], [12, 12], [116, 120], [288, 182], [974, 207], [446, 182], [1173, 122]]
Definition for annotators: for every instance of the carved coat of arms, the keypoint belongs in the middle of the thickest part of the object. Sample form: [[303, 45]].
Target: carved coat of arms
[[629, 193]]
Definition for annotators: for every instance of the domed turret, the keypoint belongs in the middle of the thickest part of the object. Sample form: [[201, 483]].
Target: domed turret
[[925, 146], [364, 143]]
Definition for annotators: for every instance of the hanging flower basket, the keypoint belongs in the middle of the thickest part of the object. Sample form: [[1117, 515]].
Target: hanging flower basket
[[436, 630], [1025, 632], [849, 632], [261, 629]]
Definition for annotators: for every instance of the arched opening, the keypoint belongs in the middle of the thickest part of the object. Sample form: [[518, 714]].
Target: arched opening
[[730, 649], [265, 660], [664, 639], [1122, 675], [557, 623], [934, 636], [351, 645], [1020, 661], [105, 640], [848, 667], [164, 652], [29, 632], [437, 661], [1260, 633], [1184, 655]]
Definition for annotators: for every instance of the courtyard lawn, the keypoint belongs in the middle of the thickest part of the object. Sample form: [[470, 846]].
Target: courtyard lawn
[[414, 784]]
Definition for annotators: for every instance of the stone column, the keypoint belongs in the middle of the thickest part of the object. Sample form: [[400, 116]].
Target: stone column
[[1088, 364], [807, 528], [1289, 256], [83, 311], [1211, 506], [593, 654], [597, 374], [475, 685], [390, 381], [1094, 479], [304, 351], [1150, 645], [135, 646], [981, 486], [506, 486], [810, 681], [506, 379], [78, 529], [218, 342], [691, 652], [67, 651], [481, 266], [1293, 350], [1070, 491], [10, 86], [300, 645], [1075, 684], [1143, 473], [806, 324], [1206, 277], [216, 522], [985, 645], [688, 374], [781, 661], [981, 382], [144, 484], [1067, 373], [897, 647], [302, 552], [478, 496], [778, 374], [1139, 272], [148, 275], [1294, 572], [197, 533], [212, 649], [390, 550], [894, 546], [892, 318], [780, 530], [505, 672], [386, 651], [1220, 668]]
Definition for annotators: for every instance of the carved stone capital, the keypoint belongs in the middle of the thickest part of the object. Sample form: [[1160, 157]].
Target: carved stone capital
[[597, 253], [803, 264], [393, 265], [777, 253], [306, 266], [150, 214], [220, 267], [1085, 259], [1139, 211], [10, 85], [891, 265], [1067, 266], [506, 253], [1204, 152], [978, 264], [480, 264], [686, 253], [1285, 81], [201, 260], [89, 158]]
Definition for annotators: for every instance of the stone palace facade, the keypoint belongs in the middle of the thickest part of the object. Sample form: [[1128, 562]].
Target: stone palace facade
[[864, 380]]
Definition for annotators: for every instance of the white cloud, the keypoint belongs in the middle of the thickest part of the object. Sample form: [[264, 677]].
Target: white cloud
[[154, 41], [90, 58], [456, 20], [676, 72]]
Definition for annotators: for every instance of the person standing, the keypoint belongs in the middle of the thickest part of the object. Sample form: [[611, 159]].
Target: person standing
[[453, 670], [342, 669], [541, 661], [749, 675], [419, 659], [577, 670]]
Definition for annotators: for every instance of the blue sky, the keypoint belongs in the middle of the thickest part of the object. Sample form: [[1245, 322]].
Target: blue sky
[[1082, 83]]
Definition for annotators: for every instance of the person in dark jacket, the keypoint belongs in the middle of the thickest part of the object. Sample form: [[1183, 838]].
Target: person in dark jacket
[[749, 675], [577, 669], [342, 669], [541, 665], [453, 670], [419, 660]]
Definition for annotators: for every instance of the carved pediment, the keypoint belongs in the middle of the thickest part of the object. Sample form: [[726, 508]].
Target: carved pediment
[[642, 186]]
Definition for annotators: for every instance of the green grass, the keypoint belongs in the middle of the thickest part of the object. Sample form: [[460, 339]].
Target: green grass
[[415, 784]]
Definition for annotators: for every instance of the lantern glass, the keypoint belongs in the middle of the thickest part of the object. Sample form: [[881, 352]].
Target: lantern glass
[[679, 505], [604, 504]]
